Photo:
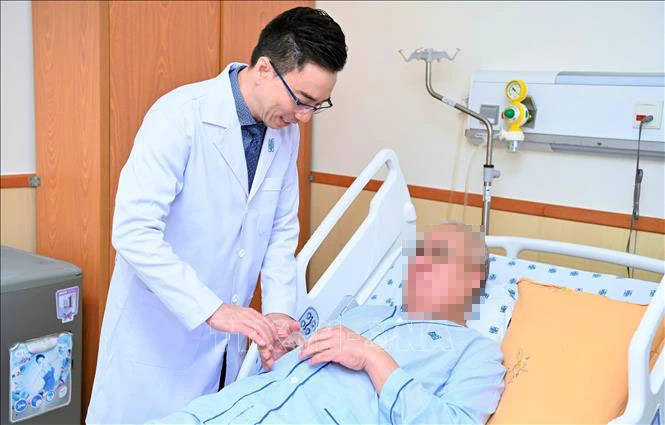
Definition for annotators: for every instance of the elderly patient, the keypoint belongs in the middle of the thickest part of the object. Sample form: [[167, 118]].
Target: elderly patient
[[381, 364]]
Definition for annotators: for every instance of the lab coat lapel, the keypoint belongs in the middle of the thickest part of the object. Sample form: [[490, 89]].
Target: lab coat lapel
[[271, 144], [218, 108], [231, 147]]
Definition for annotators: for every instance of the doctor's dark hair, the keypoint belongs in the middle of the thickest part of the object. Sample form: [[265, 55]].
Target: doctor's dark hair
[[299, 36]]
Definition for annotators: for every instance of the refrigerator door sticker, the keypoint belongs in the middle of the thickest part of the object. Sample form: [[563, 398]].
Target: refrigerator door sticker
[[40, 371], [67, 303]]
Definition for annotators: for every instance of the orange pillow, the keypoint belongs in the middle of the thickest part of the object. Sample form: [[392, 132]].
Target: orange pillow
[[566, 357]]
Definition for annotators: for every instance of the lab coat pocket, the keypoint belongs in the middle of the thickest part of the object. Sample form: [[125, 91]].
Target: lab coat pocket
[[270, 191], [271, 183]]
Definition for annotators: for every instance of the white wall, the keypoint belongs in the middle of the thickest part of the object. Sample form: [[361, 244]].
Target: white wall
[[17, 138], [381, 101]]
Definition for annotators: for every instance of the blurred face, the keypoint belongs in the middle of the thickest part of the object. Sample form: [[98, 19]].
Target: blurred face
[[445, 274], [311, 85]]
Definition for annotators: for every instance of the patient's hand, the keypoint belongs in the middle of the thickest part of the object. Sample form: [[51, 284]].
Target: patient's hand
[[341, 345], [287, 338], [338, 344]]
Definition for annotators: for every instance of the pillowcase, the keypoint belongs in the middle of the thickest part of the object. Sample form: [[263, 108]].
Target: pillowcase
[[566, 356]]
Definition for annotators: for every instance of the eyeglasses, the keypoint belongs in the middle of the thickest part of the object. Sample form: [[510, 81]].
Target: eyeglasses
[[301, 106]]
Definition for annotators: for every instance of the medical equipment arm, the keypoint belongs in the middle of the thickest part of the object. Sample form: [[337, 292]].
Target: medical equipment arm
[[149, 183], [489, 173], [469, 396]]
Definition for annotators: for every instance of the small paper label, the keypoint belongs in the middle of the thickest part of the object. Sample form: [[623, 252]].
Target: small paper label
[[67, 303]]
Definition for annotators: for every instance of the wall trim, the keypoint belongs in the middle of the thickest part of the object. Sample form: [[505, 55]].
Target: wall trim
[[581, 215], [8, 181]]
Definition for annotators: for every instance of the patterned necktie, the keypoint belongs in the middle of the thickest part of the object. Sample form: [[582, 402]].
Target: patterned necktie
[[253, 151]]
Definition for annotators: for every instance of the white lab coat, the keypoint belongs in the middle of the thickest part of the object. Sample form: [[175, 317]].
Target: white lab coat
[[190, 237]]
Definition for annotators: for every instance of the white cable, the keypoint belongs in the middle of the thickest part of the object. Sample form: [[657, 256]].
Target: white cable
[[453, 182], [466, 182]]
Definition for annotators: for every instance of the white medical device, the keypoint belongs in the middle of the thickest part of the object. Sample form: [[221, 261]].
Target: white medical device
[[576, 111]]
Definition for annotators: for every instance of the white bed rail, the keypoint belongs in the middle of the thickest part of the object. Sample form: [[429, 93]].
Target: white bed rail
[[394, 182], [514, 245], [646, 392], [365, 258]]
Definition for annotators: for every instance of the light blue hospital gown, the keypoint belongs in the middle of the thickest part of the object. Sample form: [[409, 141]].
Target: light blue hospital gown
[[448, 374]]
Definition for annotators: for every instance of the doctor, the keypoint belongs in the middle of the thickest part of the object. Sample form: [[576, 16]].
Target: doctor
[[208, 199]]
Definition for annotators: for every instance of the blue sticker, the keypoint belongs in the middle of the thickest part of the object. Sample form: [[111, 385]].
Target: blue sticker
[[36, 401], [574, 273], [20, 405], [309, 321], [551, 270], [532, 267], [40, 369], [271, 145]]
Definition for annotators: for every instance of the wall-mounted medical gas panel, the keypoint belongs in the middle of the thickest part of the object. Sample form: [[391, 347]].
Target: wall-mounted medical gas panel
[[576, 111]]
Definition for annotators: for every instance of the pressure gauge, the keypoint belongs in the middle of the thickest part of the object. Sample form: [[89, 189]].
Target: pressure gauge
[[516, 90]]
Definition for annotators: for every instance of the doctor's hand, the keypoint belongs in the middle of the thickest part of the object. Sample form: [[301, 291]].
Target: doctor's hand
[[288, 338], [246, 321]]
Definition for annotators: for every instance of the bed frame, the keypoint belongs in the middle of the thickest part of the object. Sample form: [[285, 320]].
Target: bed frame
[[378, 241]]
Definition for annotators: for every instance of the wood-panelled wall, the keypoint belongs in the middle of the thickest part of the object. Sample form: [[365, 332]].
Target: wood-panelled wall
[[71, 64], [99, 66], [155, 46]]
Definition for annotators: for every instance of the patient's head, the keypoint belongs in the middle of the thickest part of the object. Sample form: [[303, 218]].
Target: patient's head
[[446, 273]]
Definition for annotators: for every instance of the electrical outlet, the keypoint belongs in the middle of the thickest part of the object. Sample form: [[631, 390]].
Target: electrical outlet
[[654, 108]]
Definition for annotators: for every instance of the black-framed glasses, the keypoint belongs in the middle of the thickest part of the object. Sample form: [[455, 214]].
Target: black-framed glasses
[[301, 106]]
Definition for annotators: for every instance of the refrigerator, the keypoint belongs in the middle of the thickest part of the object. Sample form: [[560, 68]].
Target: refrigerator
[[41, 324]]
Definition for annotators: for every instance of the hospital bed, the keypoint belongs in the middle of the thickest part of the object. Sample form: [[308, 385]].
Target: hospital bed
[[368, 270]]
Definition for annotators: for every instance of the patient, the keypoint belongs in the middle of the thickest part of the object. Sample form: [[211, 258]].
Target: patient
[[380, 364]]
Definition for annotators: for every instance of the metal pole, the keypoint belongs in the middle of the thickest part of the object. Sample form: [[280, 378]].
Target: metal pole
[[489, 173]]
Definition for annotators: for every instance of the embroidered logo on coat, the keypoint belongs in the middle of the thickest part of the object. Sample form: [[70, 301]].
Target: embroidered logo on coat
[[434, 335]]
